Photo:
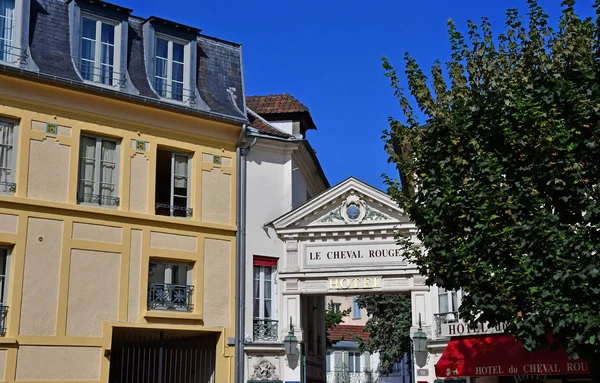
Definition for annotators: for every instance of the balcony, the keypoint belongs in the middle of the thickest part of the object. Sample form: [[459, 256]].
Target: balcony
[[3, 312], [169, 296], [342, 376], [174, 91], [443, 318], [12, 54], [173, 210], [8, 187], [104, 74], [265, 330]]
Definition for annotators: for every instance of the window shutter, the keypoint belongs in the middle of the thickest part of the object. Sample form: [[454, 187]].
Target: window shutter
[[338, 357]]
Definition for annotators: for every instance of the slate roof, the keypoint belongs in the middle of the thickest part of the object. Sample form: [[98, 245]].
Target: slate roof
[[219, 68], [347, 332]]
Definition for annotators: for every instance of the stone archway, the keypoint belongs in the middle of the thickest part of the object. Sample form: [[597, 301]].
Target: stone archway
[[343, 241]]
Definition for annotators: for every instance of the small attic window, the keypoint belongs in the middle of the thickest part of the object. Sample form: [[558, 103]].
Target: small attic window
[[99, 49], [171, 69], [12, 27]]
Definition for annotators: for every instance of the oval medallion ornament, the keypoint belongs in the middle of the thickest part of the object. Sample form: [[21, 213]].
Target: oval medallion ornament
[[353, 212]]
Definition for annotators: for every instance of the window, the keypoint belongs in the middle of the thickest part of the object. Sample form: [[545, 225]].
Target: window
[[264, 288], [7, 30], [98, 171], [169, 285], [336, 307], [7, 156], [4, 267], [354, 361], [169, 69], [355, 308], [447, 300], [97, 51], [328, 361], [172, 184]]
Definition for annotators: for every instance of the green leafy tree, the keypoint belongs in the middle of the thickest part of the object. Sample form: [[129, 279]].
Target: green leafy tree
[[333, 317], [502, 175], [388, 327]]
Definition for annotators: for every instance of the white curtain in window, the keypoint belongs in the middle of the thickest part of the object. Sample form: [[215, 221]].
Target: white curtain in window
[[257, 291], [7, 27], [181, 171], [87, 168], [6, 155], [108, 168]]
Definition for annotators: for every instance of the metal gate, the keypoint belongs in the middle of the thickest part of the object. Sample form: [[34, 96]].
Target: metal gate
[[162, 357]]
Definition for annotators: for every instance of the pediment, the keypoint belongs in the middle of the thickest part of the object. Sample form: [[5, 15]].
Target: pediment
[[349, 203]]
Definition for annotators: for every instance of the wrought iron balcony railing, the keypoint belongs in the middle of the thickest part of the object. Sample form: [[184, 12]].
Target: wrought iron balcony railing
[[173, 210], [3, 312], [12, 54], [177, 92], [98, 199], [265, 330], [169, 296], [345, 376], [442, 318], [8, 187], [103, 75]]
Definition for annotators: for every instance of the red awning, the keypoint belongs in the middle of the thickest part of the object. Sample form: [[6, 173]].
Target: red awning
[[500, 355]]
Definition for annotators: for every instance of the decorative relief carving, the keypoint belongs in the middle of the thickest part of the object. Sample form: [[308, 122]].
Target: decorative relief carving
[[353, 210], [264, 371]]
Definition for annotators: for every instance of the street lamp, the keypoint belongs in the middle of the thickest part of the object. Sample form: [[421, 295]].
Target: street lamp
[[290, 342], [420, 342]]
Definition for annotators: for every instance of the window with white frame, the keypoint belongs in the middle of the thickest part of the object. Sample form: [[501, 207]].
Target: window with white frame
[[98, 171], [4, 268], [336, 307], [354, 361], [170, 68], [8, 141], [355, 308], [7, 30], [170, 285], [264, 292], [328, 361], [447, 301], [172, 195], [97, 61]]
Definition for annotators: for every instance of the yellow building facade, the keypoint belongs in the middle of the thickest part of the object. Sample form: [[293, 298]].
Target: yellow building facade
[[88, 284]]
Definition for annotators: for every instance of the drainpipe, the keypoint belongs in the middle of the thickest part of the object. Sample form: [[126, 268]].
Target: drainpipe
[[240, 273]]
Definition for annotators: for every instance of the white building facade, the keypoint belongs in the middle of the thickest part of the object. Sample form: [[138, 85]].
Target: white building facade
[[282, 173]]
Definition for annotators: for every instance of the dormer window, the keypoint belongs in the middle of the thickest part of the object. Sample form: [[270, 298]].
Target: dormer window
[[7, 30], [170, 66], [98, 51]]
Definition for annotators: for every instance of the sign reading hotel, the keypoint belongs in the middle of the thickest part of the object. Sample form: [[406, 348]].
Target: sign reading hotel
[[341, 256], [463, 329]]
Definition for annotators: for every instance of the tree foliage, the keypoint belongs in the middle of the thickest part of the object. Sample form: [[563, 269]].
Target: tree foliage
[[333, 317], [388, 327], [502, 175]]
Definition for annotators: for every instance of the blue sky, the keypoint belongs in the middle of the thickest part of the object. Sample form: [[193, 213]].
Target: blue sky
[[327, 54]]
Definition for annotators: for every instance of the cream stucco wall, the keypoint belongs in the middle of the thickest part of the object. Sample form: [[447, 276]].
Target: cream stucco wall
[[216, 206], [172, 241], [217, 282], [135, 269], [78, 271], [41, 277], [100, 233], [8, 223], [93, 291], [138, 184], [347, 302], [58, 363], [49, 170], [3, 365]]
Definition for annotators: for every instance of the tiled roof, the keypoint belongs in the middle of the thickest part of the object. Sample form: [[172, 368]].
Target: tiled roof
[[218, 64], [347, 332], [263, 126], [275, 104]]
